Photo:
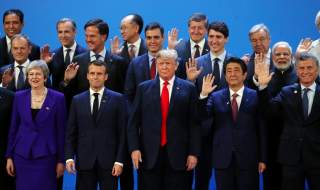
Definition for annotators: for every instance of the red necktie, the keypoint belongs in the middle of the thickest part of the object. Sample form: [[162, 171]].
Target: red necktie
[[153, 68], [164, 112], [234, 106]]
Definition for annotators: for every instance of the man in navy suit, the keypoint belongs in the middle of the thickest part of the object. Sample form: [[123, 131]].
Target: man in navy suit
[[6, 100], [212, 62], [131, 27], [238, 152], [299, 106], [75, 81], [195, 46], [143, 67], [163, 132], [95, 135], [13, 22]]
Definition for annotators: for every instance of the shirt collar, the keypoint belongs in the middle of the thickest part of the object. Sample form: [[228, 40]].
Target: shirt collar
[[239, 92], [201, 43], [170, 81], [100, 92], [8, 40], [73, 47], [221, 56], [136, 43], [25, 64], [311, 87], [101, 53]]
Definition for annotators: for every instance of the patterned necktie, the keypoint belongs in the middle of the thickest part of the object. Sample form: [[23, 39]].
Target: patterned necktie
[[153, 68], [234, 106], [95, 107], [164, 112], [197, 52], [305, 102], [20, 83], [132, 51]]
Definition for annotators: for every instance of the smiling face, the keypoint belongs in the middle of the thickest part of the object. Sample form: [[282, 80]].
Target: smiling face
[[154, 40], [307, 72], [235, 76], [36, 78], [197, 30], [95, 41], [282, 57], [12, 25], [66, 33], [216, 41], [20, 49]]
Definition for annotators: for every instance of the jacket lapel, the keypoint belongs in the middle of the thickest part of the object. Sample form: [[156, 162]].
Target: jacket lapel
[[104, 101], [315, 109], [174, 94], [46, 107]]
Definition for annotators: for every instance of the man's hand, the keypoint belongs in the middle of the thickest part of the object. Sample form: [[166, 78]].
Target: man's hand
[[7, 77], [46, 55], [262, 70], [207, 83], [70, 72], [246, 58], [115, 45], [262, 167], [304, 46], [59, 169], [192, 70], [70, 166], [173, 38], [116, 170], [191, 162], [136, 158], [10, 167]]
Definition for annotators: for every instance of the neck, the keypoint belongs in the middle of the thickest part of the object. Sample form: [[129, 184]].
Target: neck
[[96, 89], [153, 54], [98, 50], [69, 45], [133, 40], [38, 90], [218, 52], [235, 88], [307, 85]]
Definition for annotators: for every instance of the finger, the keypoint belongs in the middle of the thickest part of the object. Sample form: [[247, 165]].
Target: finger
[[113, 171]]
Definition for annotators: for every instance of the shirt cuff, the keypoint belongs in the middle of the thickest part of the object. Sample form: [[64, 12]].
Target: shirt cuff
[[201, 97], [119, 164], [255, 81]]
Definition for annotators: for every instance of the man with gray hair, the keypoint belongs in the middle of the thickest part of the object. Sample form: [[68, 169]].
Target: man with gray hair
[[307, 45], [164, 141]]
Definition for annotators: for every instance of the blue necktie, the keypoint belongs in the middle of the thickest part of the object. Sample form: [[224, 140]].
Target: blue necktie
[[305, 102], [20, 83], [216, 71]]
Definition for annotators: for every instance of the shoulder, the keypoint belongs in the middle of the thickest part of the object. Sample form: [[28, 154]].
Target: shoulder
[[81, 56], [137, 60], [5, 92], [183, 44], [55, 93], [203, 58]]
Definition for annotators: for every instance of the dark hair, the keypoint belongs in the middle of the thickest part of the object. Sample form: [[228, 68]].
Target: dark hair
[[17, 12], [99, 63], [137, 19], [307, 56], [235, 60], [100, 24], [219, 27], [198, 17], [152, 26], [64, 20]]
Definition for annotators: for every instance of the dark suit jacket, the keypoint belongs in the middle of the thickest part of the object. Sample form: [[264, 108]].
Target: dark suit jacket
[[6, 58], [125, 52], [80, 83], [300, 137], [183, 49], [102, 140], [183, 132], [6, 100], [57, 66], [246, 136], [43, 136]]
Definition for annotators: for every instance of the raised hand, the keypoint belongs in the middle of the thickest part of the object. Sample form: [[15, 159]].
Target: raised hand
[[115, 45], [70, 72], [304, 45], [207, 84], [7, 77], [45, 54], [192, 70], [246, 58], [262, 70], [173, 38]]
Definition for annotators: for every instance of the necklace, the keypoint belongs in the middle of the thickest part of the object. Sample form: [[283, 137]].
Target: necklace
[[37, 100]]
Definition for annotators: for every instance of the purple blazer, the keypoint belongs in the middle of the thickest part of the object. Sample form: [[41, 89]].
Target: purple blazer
[[43, 136]]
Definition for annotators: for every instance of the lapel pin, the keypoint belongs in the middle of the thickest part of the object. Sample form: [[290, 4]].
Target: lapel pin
[[295, 91], [227, 103], [178, 88], [47, 108]]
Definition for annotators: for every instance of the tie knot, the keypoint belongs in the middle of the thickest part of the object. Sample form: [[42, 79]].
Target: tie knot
[[97, 56], [216, 60], [131, 46], [96, 95], [196, 46], [165, 83], [68, 50], [235, 95], [153, 60], [20, 67], [306, 90]]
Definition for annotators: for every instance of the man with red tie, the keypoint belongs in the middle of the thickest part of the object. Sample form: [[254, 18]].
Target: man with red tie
[[163, 132]]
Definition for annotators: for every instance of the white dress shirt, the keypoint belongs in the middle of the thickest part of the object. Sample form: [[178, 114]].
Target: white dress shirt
[[201, 46], [17, 70], [8, 43], [101, 53], [169, 86], [136, 47], [221, 58], [239, 97], [71, 53]]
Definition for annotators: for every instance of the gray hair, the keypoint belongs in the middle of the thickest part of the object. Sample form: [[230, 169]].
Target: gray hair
[[281, 43], [307, 56], [20, 36], [168, 54], [64, 20], [257, 28], [39, 64], [317, 21]]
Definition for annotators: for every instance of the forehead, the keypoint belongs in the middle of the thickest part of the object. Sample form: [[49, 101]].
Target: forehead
[[282, 48], [153, 32], [213, 32], [92, 29], [65, 25], [259, 33], [35, 70], [233, 65], [306, 63], [96, 68], [19, 42], [11, 17], [165, 60], [197, 23], [127, 20]]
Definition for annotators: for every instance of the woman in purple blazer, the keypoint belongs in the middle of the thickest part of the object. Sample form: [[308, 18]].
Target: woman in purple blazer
[[36, 137]]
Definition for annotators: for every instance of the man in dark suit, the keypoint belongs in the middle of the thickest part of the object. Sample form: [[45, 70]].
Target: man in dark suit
[[212, 62], [96, 133], [12, 24], [239, 146], [163, 133], [96, 31], [259, 36], [299, 108], [194, 47], [6, 100], [131, 27], [14, 75], [143, 67]]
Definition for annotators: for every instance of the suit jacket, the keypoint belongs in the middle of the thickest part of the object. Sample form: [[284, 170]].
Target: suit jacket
[[102, 140], [43, 136], [6, 58], [183, 132], [245, 137], [6, 100], [183, 49], [250, 71], [300, 137], [125, 50], [116, 75], [57, 66]]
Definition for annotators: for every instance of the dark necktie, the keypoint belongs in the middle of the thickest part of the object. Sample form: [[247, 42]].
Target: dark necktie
[[153, 68], [20, 83], [164, 112], [197, 52], [132, 52], [234, 106], [95, 107], [67, 58], [216, 71], [97, 56], [305, 102]]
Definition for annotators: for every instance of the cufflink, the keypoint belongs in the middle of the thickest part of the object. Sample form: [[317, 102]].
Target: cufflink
[[295, 91]]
